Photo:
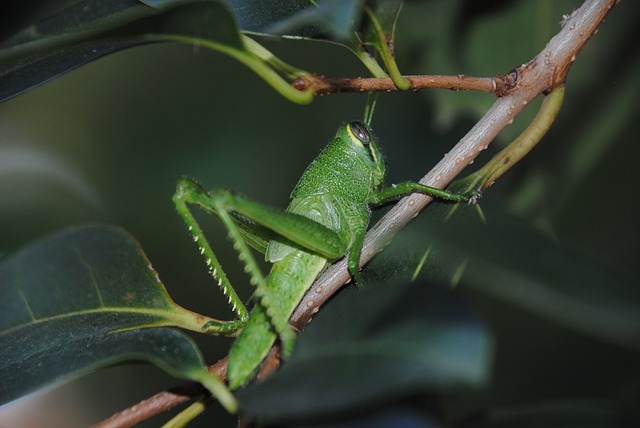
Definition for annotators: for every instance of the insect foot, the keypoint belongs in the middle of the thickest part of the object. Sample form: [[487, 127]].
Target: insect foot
[[473, 196]]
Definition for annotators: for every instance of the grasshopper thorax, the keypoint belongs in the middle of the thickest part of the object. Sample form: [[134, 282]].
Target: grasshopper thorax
[[351, 165]]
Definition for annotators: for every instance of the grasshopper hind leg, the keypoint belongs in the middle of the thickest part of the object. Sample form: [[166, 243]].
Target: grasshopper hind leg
[[189, 192]]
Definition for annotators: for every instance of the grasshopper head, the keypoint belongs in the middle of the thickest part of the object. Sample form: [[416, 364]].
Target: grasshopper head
[[351, 165], [362, 136]]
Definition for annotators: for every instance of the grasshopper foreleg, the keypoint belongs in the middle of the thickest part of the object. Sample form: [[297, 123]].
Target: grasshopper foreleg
[[405, 188]]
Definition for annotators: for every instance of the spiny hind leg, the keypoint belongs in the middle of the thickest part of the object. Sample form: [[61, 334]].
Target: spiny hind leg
[[240, 216], [216, 202]]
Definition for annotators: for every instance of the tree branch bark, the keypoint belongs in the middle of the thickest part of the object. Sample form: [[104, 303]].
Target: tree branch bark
[[320, 85]]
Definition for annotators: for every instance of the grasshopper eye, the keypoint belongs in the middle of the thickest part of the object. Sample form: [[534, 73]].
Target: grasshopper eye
[[360, 131]]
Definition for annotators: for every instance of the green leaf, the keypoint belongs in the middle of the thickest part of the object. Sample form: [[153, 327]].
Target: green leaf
[[374, 344], [47, 356], [75, 301], [56, 45], [91, 29]]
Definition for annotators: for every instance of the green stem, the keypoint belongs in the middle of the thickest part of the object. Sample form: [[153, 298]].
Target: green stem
[[183, 418], [254, 62], [276, 63], [219, 391], [520, 147], [387, 56], [368, 61]]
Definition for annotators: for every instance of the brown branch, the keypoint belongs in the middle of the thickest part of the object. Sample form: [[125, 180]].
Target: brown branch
[[543, 73], [321, 85], [161, 402], [152, 406]]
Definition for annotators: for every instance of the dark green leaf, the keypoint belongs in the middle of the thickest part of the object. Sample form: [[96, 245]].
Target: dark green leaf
[[515, 263], [91, 29], [22, 75], [68, 304], [372, 344], [62, 351], [18, 14], [557, 414], [329, 19]]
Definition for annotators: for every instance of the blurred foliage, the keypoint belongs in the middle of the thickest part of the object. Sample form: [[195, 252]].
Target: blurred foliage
[[107, 142]]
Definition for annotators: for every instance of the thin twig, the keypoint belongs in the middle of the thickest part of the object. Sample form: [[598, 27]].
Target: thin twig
[[323, 85], [152, 406], [160, 402]]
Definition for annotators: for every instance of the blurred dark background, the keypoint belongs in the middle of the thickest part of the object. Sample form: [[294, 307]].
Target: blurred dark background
[[107, 142]]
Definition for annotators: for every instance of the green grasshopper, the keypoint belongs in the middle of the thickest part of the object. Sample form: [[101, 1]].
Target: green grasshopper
[[327, 218]]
